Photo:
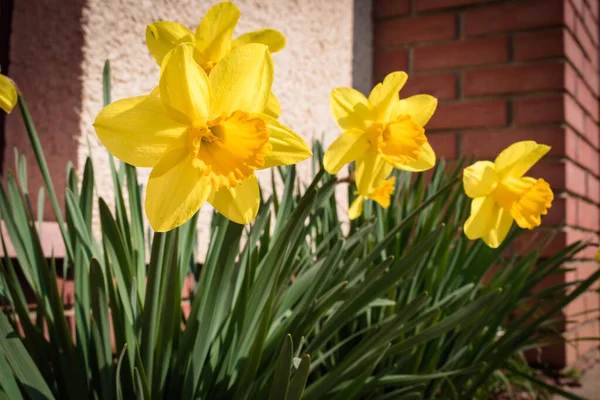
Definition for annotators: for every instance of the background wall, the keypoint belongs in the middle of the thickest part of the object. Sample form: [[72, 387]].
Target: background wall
[[58, 48], [506, 71]]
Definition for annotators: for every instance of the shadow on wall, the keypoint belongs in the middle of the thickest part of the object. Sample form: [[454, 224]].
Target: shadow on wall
[[46, 58], [362, 46]]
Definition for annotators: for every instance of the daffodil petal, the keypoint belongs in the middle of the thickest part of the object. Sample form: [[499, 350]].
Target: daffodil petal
[[242, 80], [272, 109], [139, 130], [371, 170], [269, 37], [184, 87], [8, 94], [425, 162], [350, 108], [214, 34], [420, 107], [480, 179], [348, 147], [356, 208], [239, 204], [500, 228], [164, 36], [384, 99], [484, 211], [287, 147], [519, 157], [176, 190]]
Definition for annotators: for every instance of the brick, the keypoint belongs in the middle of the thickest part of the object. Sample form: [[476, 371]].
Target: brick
[[593, 188], [589, 216], [591, 23], [441, 86], [513, 16], [591, 51], [588, 157], [485, 113], [539, 110], [462, 53], [589, 252], [575, 179], [570, 17], [553, 171], [557, 213], [514, 79], [571, 79], [444, 144], [427, 5], [593, 7], [574, 115], [572, 211], [553, 242], [591, 131], [421, 29], [538, 45], [591, 77], [387, 61], [487, 144], [390, 8], [571, 143], [574, 52], [587, 99]]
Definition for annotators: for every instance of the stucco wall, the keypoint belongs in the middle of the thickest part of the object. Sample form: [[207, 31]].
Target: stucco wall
[[58, 50]]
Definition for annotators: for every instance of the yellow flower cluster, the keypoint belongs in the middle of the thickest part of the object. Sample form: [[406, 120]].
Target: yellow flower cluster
[[212, 122], [383, 132]]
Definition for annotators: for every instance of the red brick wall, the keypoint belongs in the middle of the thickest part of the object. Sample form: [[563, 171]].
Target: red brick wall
[[506, 71]]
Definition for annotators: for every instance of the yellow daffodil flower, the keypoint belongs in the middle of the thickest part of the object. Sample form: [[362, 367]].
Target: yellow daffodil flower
[[381, 132], [502, 194], [212, 40], [203, 136], [8, 94], [381, 194]]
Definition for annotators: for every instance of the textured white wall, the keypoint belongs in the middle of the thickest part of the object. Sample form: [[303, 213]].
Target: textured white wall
[[74, 37]]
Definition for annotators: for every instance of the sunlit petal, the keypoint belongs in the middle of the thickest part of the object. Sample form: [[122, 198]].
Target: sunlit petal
[[420, 107], [480, 179], [384, 99], [176, 191], [500, 228], [214, 34], [371, 169], [138, 130], [273, 108], [484, 212], [356, 208], [287, 147], [8, 94], [425, 162], [349, 108], [239, 204], [519, 157], [164, 36], [242, 80], [184, 87], [269, 37], [348, 147]]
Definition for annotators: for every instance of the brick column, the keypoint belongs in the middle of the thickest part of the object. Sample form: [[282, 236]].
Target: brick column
[[506, 71]]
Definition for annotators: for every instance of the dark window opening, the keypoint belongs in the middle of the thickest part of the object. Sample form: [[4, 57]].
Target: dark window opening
[[6, 9]]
